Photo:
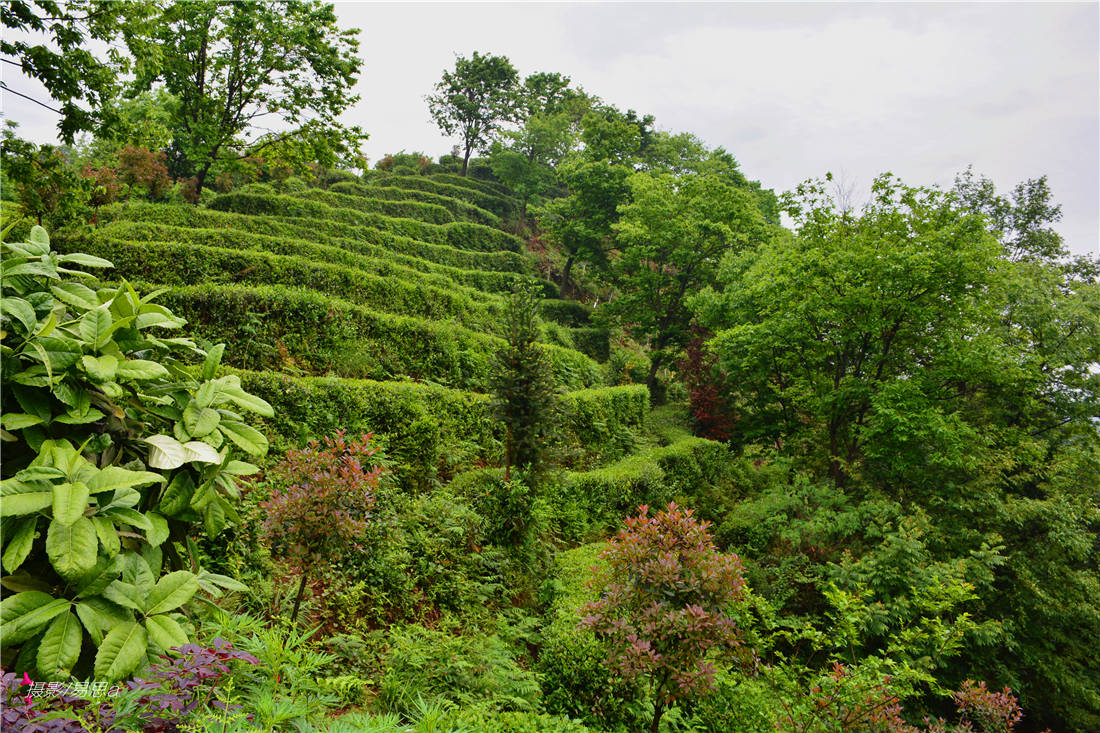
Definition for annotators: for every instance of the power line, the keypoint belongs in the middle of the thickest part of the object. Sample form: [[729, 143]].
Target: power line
[[5, 87]]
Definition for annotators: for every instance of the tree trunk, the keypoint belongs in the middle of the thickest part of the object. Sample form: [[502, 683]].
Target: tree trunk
[[651, 380], [200, 179], [298, 599], [565, 273], [466, 161], [658, 711]]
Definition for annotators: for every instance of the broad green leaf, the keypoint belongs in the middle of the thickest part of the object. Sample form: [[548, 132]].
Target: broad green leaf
[[99, 614], [101, 369], [72, 548], [34, 269], [33, 401], [177, 496], [96, 580], [75, 294], [200, 421], [139, 572], [115, 477], [19, 498], [124, 594], [22, 615], [121, 651], [165, 631], [250, 402], [60, 647], [204, 396], [166, 453], [129, 516], [241, 468], [40, 237], [158, 531], [95, 325], [201, 452], [213, 359], [214, 517], [19, 544], [141, 369], [19, 420], [108, 535], [209, 580], [86, 260], [69, 502], [63, 352], [21, 311], [248, 438], [148, 320], [171, 591], [83, 419]]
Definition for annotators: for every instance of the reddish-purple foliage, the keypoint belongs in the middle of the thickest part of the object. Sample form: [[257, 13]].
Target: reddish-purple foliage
[[328, 496], [146, 168], [665, 602], [156, 703], [712, 413]]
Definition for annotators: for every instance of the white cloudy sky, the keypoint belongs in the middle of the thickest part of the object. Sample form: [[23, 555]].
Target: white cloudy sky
[[792, 90]]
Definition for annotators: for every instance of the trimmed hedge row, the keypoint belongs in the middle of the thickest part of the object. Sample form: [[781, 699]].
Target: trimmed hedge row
[[366, 257], [174, 263], [431, 431], [503, 207], [591, 503], [459, 234], [401, 209], [338, 234], [605, 420], [428, 430], [386, 265], [284, 329], [489, 187], [459, 208], [566, 312]]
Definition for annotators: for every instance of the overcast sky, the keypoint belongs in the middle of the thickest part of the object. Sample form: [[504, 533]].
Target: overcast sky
[[792, 90]]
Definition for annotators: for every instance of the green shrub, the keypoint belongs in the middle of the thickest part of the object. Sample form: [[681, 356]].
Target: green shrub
[[693, 470], [283, 329], [608, 417], [350, 236], [487, 187], [464, 669], [566, 312], [334, 250], [577, 680], [484, 721], [425, 428], [591, 341], [502, 207], [459, 208], [115, 450], [462, 234], [404, 209], [170, 263]]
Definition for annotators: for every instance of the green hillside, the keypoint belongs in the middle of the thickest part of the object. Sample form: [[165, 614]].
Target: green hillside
[[576, 428]]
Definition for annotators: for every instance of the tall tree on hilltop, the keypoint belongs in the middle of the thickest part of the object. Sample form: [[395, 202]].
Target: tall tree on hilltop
[[670, 239], [475, 99], [234, 66]]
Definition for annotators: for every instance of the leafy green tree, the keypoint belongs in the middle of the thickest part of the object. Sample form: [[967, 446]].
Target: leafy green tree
[[114, 449], [251, 75], [83, 81], [670, 239], [524, 392], [48, 185], [1022, 223], [475, 99], [903, 354]]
